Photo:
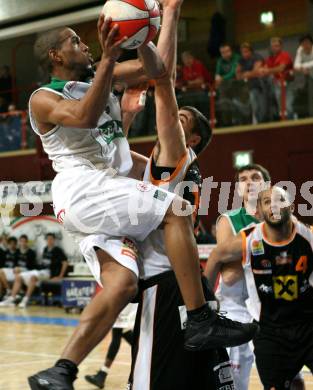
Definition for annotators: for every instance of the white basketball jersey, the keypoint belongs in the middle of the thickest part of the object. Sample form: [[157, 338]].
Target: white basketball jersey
[[104, 147], [155, 260]]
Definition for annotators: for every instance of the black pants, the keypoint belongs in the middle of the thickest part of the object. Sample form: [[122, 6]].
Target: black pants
[[117, 335], [282, 352], [159, 360]]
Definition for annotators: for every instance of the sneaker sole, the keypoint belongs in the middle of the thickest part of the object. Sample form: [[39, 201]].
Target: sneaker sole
[[93, 383], [34, 385]]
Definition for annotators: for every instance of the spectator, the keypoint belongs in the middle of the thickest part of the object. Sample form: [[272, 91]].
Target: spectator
[[226, 65], [247, 70], [11, 257], [195, 74], [5, 84], [279, 65], [304, 64], [27, 257], [232, 106], [53, 267]]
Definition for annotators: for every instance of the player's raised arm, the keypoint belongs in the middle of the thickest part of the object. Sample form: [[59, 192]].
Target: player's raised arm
[[226, 252], [50, 109], [172, 142]]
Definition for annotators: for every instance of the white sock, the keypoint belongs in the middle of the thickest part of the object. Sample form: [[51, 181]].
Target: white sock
[[25, 299], [105, 369], [10, 299]]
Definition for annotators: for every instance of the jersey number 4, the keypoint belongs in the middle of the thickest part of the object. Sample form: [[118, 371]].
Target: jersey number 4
[[302, 264]]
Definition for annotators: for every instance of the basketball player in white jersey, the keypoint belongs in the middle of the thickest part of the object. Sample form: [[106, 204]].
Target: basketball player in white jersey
[[159, 359], [80, 128]]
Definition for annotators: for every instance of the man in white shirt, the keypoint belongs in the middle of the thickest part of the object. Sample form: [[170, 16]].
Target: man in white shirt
[[304, 64]]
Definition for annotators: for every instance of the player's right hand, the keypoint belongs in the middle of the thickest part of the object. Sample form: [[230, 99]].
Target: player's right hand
[[107, 35]]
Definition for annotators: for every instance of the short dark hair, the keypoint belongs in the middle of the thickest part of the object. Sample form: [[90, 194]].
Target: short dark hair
[[257, 167], [12, 239], [201, 127], [51, 235], [24, 236], [44, 42], [306, 37], [226, 44], [246, 45]]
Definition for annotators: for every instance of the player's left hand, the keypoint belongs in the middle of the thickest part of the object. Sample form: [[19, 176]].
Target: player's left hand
[[134, 99]]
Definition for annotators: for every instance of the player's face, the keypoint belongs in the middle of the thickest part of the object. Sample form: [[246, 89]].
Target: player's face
[[23, 243], [274, 207], [187, 121], [50, 241], [250, 184], [75, 54], [12, 245]]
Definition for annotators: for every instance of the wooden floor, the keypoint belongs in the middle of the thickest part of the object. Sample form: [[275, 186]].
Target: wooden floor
[[27, 347]]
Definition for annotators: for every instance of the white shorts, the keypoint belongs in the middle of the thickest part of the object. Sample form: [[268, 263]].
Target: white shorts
[[41, 275], [126, 318], [9, 274], [123, 250], [101, 210]]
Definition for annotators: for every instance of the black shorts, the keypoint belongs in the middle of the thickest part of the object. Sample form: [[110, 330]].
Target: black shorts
[[159, 360], [282, 352]]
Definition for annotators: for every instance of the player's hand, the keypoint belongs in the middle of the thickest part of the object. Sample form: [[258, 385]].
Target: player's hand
[[107, 34], [134, 99], [171, 3]]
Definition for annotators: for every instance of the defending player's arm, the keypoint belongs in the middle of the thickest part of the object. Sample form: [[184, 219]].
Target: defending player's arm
[[172, 143], [227, 252], [50, 109], [231, 272], [148, 66]]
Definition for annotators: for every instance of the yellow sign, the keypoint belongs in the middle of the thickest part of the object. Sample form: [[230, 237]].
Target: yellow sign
[[286, 287]]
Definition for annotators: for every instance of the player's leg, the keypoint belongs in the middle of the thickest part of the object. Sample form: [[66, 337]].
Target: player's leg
[[99, 378], [119, 287], [128, 337]]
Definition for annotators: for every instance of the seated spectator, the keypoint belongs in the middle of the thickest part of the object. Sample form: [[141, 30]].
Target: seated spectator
[[304, 64], [11, 257], [232, 104], [279, 65], [226, 65], [27, 257], [195, 74], [247, 70], [53, 267]]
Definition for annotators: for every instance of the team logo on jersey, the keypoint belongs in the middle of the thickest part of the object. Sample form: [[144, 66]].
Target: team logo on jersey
[[129, 249], [266, 263], [283, 259], [257, 247], [144, 186], [60, 216], [286, 287], [111, 130], [265, 289], [160, 195]]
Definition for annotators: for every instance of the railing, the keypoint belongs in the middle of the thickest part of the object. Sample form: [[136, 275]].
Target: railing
[[15, 132], [233, 103]]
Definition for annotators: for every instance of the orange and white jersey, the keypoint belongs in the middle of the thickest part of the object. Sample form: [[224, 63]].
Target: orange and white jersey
[[185, 180]]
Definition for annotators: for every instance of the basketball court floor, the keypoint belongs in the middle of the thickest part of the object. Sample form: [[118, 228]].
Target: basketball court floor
[[32, 339]]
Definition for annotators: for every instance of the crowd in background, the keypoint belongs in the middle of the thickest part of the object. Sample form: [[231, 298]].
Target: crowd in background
[[21, 271], [246, 88]]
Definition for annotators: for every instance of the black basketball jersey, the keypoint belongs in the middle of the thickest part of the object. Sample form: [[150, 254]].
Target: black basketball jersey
[[279, 276], [11, 258], [27, 259]]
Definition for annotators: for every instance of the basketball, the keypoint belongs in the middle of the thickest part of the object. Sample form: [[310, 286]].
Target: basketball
[[139, 20]]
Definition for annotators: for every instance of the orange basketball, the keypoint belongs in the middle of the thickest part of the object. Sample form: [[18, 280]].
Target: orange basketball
[[139, 20]]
